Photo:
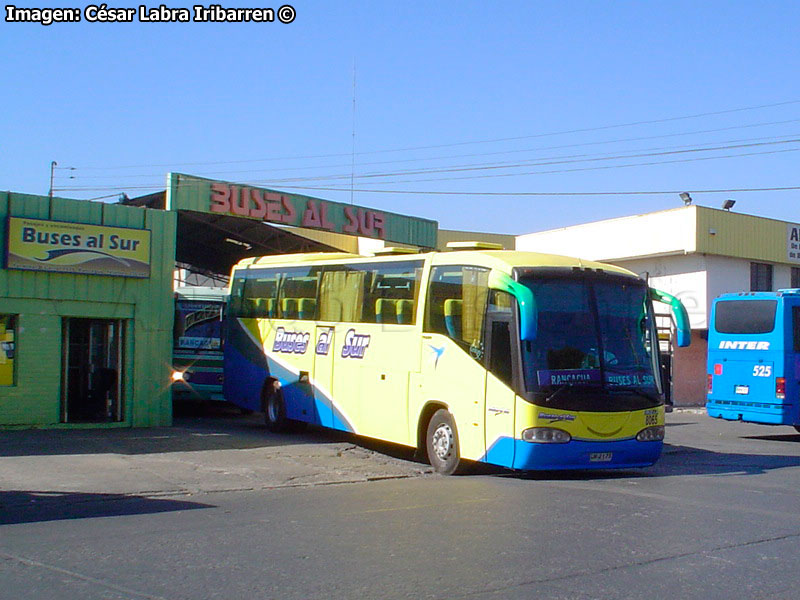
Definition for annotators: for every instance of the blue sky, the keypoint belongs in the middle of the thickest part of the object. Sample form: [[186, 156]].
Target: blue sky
[[461, 88]]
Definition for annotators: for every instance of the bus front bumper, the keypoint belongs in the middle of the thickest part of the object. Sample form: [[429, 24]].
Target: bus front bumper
[[753, 412], [576, 454]]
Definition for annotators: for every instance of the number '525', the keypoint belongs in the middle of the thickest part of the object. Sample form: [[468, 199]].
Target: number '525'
[[762, 371]]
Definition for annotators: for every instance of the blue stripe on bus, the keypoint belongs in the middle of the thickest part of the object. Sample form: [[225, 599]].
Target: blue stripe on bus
[[305, 402], [243, 380], [519, 454], [246, 371]]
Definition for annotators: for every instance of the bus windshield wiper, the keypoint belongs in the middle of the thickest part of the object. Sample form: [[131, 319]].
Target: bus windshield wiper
[[577, 387], [558, 391], [643, 394]]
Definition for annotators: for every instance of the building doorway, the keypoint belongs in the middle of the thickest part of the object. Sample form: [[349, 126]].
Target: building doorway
[[92, 375]]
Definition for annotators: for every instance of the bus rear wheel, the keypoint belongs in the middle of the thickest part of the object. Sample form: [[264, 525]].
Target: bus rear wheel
[[274, 408], [441, 442]]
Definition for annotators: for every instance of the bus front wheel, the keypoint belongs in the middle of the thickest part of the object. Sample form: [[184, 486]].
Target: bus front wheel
[[441, 441]]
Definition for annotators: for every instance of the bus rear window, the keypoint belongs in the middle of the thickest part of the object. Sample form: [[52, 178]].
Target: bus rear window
[[745, 316]]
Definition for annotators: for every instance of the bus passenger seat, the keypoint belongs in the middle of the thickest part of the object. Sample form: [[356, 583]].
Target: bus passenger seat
[[405, 311], [250, 307], [272, 306], [289, 308], [306, 308], [385, 310], [452, 317]]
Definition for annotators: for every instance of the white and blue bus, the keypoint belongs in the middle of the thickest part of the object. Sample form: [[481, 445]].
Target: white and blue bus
[[754, 358]]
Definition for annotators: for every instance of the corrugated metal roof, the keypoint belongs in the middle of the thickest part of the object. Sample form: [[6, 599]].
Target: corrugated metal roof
[[742, 236]]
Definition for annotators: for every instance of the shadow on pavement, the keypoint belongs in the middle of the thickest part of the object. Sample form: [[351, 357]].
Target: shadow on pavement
[[34, 507], [687, 460], [790, 437], [196, 428], [674, 461]]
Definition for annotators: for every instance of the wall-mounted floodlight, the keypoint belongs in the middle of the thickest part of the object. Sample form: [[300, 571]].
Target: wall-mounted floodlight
[[687, 199], [728, 204]]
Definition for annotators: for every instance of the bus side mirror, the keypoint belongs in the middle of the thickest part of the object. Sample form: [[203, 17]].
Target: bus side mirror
[[528, 312], [684, 335]]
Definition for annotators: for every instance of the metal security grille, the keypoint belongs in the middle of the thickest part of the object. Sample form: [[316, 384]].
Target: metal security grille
[[760, 277]]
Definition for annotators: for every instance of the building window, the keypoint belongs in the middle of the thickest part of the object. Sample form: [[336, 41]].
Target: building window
[[7, 346], [795, 283], [760, 277]]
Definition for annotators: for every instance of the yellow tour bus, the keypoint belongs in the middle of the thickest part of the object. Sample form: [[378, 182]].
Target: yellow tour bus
[[517, 359]]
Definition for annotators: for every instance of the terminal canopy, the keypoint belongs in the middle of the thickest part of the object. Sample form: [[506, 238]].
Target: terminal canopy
[[212, 243]]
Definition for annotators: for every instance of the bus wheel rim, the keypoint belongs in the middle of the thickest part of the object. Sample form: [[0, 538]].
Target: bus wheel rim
[[272, 410], [442, 441]]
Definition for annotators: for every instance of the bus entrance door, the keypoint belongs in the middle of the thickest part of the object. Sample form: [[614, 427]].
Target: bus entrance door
[[323, 377], [500, 396]]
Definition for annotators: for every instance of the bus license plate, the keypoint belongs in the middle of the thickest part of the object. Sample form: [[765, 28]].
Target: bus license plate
[[742, 389], [600, 456]]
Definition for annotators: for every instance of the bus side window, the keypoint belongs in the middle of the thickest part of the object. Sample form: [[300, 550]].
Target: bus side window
[[456, 307], [251, 296], [392, 292], [298, 293], [796, 327], [237, 293], [341, 295], [498, 333], [500, 352]]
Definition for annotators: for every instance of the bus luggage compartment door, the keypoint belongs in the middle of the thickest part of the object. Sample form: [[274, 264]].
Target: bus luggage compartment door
[[323, 376]]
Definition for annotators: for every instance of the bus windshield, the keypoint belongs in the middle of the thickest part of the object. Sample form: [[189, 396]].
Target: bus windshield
[[198, 325], [595, 348]]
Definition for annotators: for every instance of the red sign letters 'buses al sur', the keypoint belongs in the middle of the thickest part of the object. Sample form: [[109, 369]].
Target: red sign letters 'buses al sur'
[[278, 208]]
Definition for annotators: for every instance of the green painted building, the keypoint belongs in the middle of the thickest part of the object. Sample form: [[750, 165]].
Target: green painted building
[[86, 288], [86, 312]]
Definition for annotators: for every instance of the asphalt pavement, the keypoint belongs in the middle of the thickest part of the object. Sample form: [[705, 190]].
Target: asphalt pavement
[[218, 507], [212, 449]]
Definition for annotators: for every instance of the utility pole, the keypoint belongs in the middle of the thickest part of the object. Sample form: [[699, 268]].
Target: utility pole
[[52, 170], [353, 154]]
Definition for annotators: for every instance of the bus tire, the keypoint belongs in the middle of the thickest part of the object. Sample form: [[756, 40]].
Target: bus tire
[[441, 441], [274, 409]]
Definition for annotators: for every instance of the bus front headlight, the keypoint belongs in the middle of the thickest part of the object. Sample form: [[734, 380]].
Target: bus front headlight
[[651, 434], [546, 435]]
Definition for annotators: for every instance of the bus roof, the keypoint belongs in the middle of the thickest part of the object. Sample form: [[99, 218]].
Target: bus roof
[[201, 293], [503, 260], [758, 295]]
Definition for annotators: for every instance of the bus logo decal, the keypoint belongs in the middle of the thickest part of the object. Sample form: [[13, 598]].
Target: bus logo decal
[[323, 343], [201, 316], [555, 417], [437, 353], [294, 342], [737, 345], [355, 344]]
